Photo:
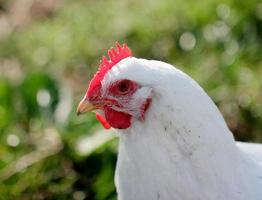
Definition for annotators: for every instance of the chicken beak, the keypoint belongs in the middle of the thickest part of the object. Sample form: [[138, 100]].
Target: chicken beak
[[85, 106]]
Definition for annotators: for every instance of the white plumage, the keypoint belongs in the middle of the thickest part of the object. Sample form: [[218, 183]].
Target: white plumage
[[184, 149]]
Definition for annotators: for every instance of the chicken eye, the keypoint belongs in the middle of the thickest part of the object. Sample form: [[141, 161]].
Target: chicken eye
[[124, 86]]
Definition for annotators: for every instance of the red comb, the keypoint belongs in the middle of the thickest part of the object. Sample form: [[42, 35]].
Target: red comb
[[115, 56]]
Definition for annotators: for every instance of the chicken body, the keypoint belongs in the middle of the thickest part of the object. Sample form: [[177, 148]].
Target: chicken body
[[182, 149]]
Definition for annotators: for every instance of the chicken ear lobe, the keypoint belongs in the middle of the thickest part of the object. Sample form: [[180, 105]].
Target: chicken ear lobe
[[116, 119]]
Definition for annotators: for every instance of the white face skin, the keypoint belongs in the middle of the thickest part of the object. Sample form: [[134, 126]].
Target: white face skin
[[130, 105]]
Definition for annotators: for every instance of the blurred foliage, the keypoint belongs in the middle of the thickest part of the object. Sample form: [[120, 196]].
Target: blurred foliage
[[50, 49]]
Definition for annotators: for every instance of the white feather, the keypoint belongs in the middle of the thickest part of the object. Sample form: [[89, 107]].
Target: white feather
[[184, 149]]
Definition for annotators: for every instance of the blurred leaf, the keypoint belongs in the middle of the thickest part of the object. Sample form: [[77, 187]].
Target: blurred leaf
[[6, 107]]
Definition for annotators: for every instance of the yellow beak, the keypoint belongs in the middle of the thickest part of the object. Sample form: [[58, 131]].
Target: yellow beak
[[85, 106]]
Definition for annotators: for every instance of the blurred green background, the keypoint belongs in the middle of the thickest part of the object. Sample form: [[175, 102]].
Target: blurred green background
[[49, 50]]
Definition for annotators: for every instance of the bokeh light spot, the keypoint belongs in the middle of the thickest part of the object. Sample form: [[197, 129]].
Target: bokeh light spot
[[43, 98], [79, 195], [223, 11], [13, 140], [187, 41]]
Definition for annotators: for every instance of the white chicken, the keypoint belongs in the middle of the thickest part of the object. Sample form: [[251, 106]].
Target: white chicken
[[173, 141]]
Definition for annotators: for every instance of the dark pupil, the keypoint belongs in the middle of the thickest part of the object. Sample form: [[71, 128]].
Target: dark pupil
[[123, 87]]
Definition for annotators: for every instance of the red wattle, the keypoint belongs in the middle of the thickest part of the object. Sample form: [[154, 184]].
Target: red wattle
[[103, 121], [117, 119]]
